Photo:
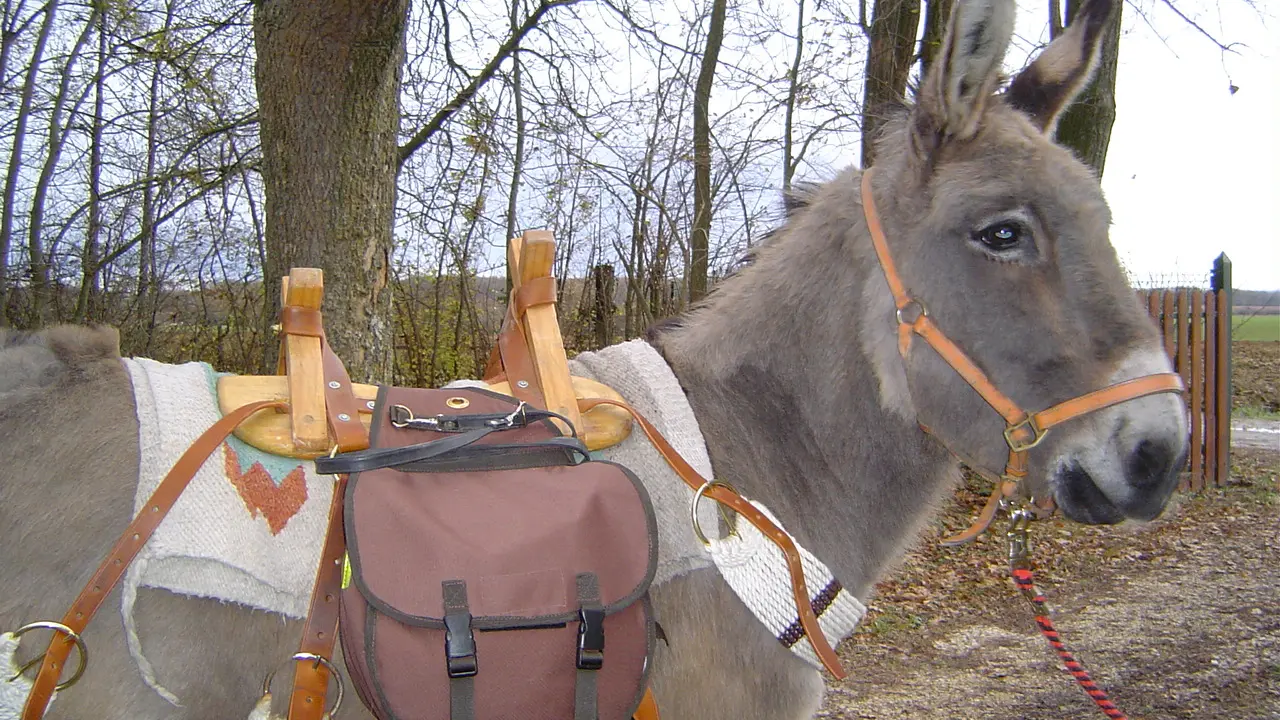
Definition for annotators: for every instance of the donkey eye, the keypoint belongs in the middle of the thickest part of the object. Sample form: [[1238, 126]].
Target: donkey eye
[[1001, 236]]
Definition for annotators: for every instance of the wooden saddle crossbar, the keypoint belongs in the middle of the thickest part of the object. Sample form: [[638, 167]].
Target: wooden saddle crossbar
[[530, 340]]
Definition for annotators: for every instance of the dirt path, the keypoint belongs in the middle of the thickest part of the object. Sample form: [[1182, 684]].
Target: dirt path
[[1176, 619], [1256, 433]]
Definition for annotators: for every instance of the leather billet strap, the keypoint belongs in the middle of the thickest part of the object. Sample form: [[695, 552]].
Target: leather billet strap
[[730, 499], [126, 548], [320, 630], [341, 406], [1023, 430]]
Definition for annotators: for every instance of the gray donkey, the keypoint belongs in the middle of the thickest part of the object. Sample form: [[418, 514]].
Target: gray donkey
[[792, 368]]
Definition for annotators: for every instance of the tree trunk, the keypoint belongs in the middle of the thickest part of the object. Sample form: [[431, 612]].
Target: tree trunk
[[148, 291], [15, 157], [517, 161], [85, 309], [41, 290], [793, 89], [328, 78], [936, 14], [602, 311], [889, 59], [635, 266], [657, 274], [1086, 126], [10, 21], [701, 235]]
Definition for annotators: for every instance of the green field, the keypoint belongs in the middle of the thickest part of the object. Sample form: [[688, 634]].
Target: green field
[[1256, 327]]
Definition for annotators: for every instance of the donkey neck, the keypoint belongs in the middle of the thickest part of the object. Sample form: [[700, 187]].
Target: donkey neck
[[789, 405]]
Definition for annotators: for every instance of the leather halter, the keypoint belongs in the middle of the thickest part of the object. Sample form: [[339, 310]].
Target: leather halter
[[1023, 431]]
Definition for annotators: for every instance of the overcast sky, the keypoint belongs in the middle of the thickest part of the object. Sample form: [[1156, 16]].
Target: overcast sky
[[1194, 170]]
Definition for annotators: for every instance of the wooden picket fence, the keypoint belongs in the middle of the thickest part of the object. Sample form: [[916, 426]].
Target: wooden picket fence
[[1196, 325]]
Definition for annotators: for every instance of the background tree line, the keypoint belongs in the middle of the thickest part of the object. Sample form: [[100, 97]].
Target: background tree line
[[162, 157]]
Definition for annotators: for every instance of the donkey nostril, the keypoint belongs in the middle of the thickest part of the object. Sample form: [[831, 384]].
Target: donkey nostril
[[1150, 464]]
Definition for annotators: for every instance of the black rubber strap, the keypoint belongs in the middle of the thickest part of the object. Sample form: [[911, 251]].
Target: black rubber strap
[[450, 453], [590, 648], [460, 651], [375, 458]]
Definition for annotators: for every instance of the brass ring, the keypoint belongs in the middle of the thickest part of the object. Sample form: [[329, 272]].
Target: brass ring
[[71, 635], [319, 660], [693, 511], [457, 403]]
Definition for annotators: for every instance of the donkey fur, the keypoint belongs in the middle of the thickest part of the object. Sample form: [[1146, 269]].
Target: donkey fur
[[792, 369]]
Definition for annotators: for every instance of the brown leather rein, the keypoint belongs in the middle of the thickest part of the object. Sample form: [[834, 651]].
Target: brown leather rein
[[1023, 431]]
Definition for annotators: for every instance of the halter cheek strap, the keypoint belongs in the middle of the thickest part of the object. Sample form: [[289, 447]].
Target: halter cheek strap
[[1023, 431]]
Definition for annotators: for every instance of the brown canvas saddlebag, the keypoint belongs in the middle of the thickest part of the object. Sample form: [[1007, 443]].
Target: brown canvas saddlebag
[[496, 570]]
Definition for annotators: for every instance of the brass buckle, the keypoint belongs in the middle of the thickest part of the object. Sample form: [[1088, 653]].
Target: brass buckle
[[71, 635], [1029, 424], [318, 660]]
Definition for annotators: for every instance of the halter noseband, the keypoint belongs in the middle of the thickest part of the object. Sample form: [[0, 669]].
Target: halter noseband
[[1023, 431]]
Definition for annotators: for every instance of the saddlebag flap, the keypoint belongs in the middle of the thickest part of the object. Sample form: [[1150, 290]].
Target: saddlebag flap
[[495, 569]]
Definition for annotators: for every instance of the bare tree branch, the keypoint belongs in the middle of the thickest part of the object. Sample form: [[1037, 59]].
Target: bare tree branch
[[1230, 47], [465, 95]]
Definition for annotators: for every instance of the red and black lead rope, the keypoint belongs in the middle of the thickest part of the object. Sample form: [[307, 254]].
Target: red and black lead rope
[[1026, 583], [1020, 568]]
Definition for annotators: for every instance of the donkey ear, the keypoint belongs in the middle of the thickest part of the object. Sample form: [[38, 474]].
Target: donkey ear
[[1051, 83], [961, 81]]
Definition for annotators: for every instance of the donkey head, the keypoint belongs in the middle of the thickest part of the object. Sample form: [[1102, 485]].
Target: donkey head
[[1003, 236]]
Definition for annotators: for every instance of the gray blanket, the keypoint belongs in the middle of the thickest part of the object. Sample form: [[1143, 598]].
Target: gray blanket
[[642, 377]]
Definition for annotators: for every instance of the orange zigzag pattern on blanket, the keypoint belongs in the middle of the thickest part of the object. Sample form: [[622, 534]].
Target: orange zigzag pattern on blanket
[[261, 495]]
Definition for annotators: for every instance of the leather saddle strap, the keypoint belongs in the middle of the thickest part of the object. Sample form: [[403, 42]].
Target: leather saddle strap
[[319, 632], [730, 499], [341, 406], [127, 547], [513, 359], [511, 353]]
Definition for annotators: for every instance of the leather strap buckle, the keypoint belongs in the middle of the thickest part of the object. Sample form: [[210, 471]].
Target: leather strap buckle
[[460, 645], [1020, 429], [590, 639]]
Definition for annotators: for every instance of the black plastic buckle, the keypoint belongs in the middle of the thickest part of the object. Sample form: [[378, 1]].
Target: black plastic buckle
[[459, 645], [590, 639]]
